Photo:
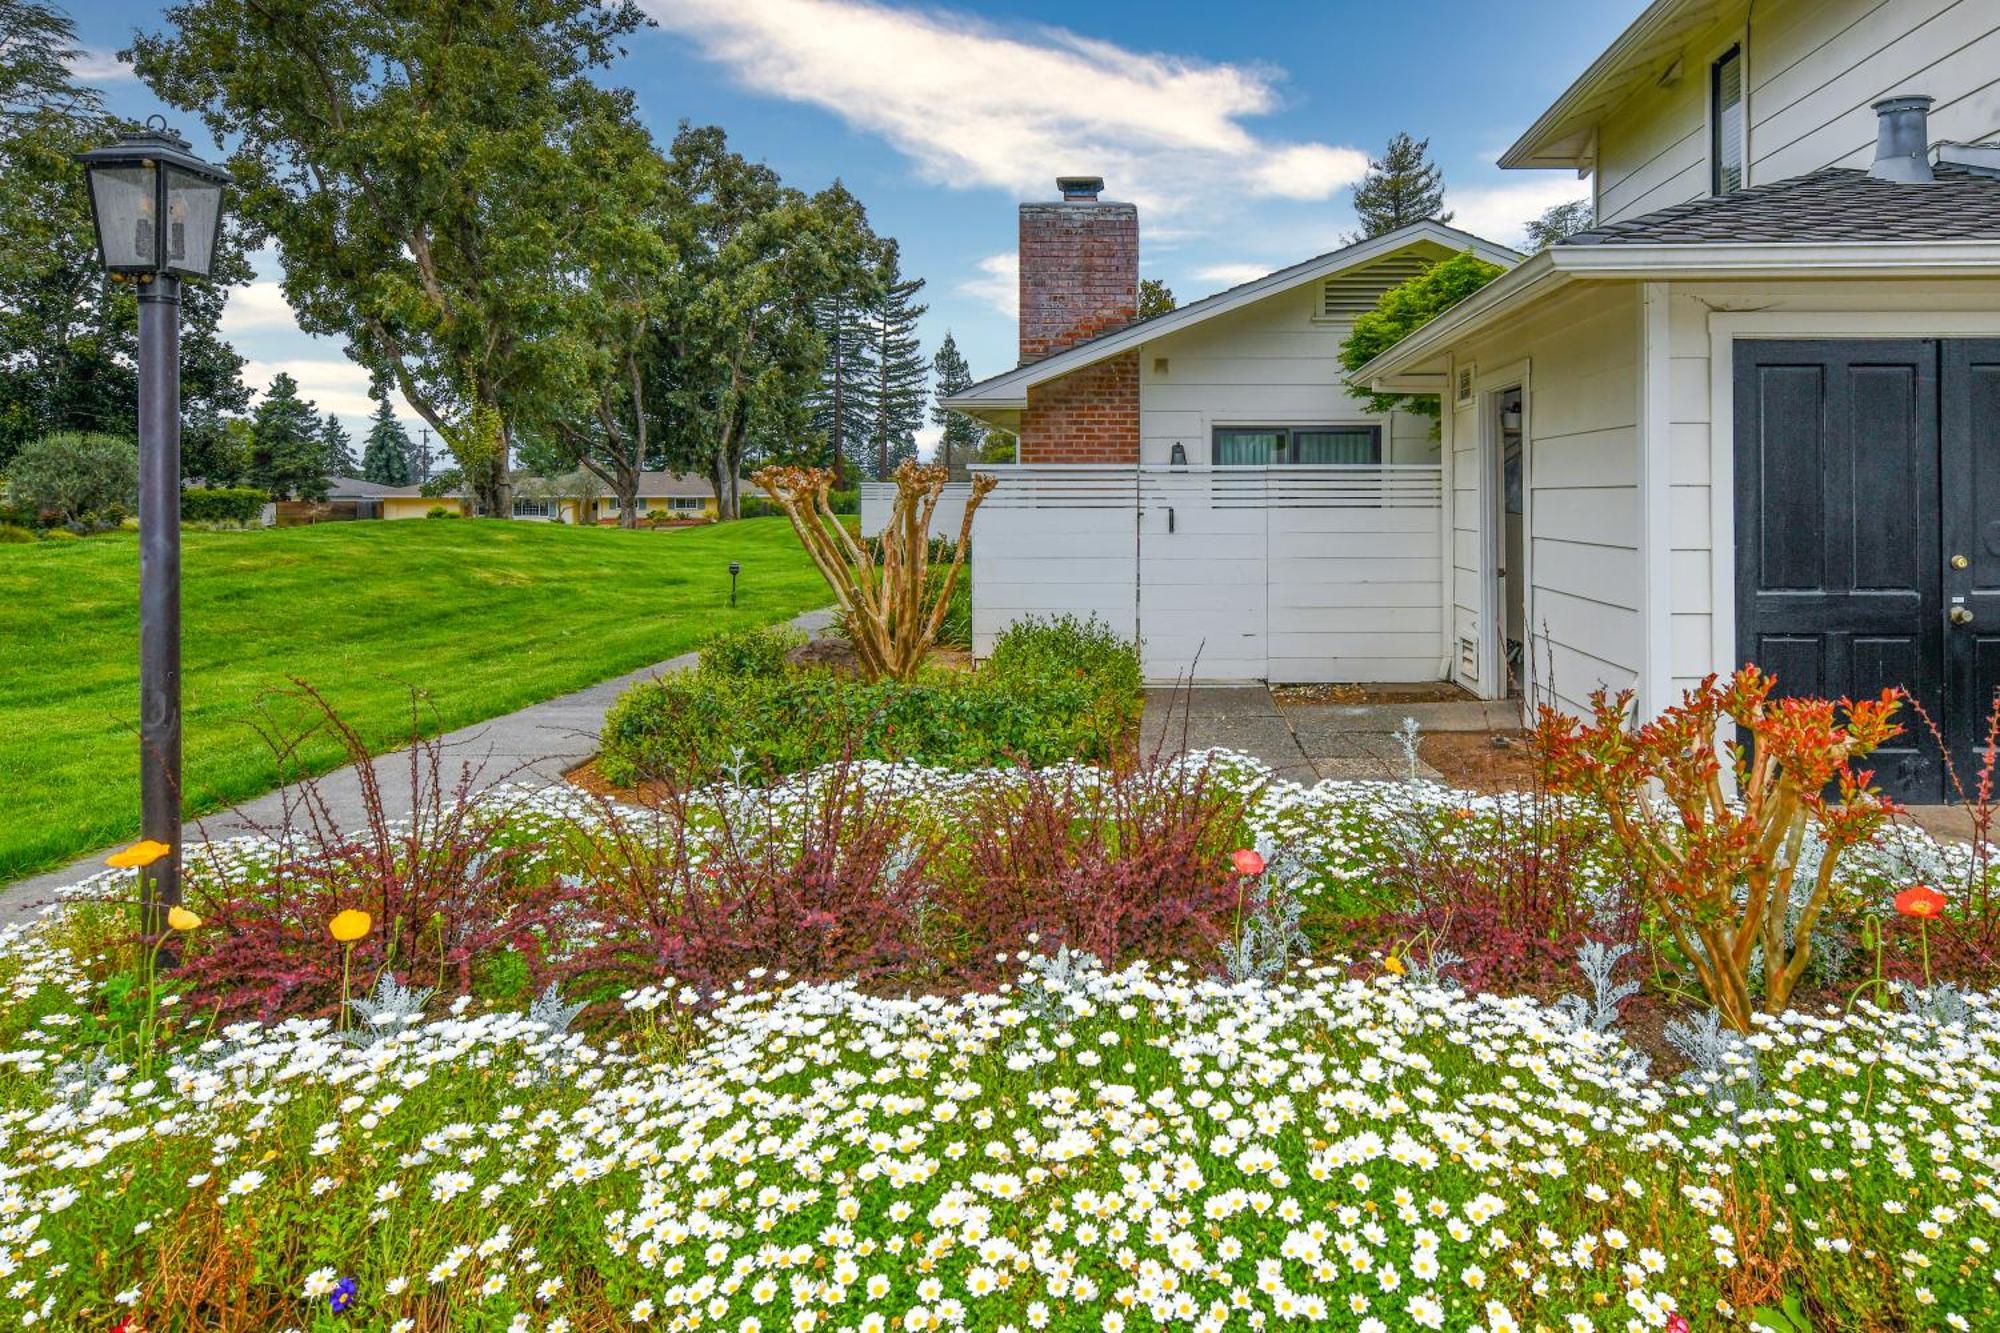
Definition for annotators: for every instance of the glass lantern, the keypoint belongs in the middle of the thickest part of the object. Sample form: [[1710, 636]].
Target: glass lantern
[[158, 207]]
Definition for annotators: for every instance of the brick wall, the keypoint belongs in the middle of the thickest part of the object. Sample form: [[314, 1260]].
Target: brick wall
[[1079, 273], [1088, 416]]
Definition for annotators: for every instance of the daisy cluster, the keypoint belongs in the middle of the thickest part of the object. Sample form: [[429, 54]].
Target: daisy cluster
[[1083, 1150]]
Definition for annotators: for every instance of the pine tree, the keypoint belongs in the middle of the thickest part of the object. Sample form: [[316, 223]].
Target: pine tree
[[897, 402], [1402, 187], [959, 435], [1155, 298], [385, 457], [839, 405], [287, 454], [337, 448]]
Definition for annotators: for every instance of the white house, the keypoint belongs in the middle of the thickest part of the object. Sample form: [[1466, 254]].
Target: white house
[[1204, 479], [1752, 414]]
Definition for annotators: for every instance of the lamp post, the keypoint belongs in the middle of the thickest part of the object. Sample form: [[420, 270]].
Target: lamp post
[[735, 568], [158, 212]]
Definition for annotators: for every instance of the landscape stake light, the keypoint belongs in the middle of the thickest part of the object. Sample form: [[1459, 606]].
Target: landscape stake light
[[735, 568], [158, 212]]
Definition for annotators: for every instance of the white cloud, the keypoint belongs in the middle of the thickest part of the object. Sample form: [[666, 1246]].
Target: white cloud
[[1502, 212], [1230, 275], [998, 284], [91, 65], [928, 438], [974, 105], [334, 384], [257, 308]]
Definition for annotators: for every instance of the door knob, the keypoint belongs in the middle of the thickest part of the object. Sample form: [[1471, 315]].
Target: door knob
[[1960, 562], [1961, 615]]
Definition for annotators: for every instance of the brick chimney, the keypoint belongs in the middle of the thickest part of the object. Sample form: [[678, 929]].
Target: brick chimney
[[1079, 268], [1080, 278]]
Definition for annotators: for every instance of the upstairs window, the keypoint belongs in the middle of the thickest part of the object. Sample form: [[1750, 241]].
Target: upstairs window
[[1725, 119]]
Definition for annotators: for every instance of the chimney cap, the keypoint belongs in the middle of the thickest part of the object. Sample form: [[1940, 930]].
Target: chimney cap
[[1080, 187]]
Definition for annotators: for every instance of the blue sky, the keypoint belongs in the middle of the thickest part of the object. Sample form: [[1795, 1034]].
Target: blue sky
[[1238, 128]]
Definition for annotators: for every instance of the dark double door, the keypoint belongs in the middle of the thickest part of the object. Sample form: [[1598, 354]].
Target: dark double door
[[1868, 533]]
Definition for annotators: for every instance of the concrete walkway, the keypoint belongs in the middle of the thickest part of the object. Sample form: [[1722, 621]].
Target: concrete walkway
[[1308, 742], [533, 747]]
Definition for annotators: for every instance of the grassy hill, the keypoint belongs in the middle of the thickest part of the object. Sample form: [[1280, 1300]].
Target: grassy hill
[[483, 617]]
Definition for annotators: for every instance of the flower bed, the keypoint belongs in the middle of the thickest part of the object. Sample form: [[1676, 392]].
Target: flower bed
[[838, 1071]]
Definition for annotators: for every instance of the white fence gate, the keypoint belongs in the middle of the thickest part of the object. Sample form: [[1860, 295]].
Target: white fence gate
[[878, 498], [1291, 573]]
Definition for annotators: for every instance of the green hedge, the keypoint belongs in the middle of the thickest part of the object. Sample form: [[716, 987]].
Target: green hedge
[[1053, 691], [222, 504]]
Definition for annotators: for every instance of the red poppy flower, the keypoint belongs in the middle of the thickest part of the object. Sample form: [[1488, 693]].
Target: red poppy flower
[[1920, 900], [1677, 1323], [1246, 861]]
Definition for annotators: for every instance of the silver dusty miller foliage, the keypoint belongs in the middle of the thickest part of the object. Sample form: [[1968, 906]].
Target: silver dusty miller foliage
[[1599, 965], [389, 1008], [1724, 1067]]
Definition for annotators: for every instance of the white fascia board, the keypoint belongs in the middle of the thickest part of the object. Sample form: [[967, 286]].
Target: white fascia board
[[1557, 267], [1628, 47], [1009, 389]]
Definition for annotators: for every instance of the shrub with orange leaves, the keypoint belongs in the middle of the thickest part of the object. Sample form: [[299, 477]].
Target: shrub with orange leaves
[[1719, 871]]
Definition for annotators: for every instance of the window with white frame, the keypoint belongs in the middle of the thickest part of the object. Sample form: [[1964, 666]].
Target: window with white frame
[[1725, 119], [1268, 446], [638, 507], [526, 508], [687, 504]]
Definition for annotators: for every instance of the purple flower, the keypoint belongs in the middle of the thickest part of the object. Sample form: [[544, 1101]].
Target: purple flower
[[343, 1295]]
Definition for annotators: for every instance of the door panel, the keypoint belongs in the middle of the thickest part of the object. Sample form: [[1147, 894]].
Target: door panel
[[1970, 430], [1837, 529]]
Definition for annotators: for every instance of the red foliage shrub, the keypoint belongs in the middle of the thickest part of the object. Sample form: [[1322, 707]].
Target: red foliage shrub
[[448, 890], [1508, 888], [703, 892], [1139, 865]]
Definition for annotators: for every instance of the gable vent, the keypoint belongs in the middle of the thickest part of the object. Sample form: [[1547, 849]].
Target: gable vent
[[1347, 295]]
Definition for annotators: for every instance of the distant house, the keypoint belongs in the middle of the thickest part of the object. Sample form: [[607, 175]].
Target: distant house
[[663, 496]]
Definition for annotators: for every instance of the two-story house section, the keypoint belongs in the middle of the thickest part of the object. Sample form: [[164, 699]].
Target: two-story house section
[[1753, 414]]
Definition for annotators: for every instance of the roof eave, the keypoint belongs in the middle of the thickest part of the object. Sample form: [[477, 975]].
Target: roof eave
[[1561, 265], [1529, 149]]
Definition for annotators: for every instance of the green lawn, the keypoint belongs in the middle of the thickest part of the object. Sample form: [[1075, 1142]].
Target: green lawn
[[483, 617]]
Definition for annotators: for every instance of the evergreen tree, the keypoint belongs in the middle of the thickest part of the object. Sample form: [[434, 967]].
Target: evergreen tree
[[337, 448], [958, 441], [839, 403], [287, 453], [897, 401], [1401, 187], [1155, 298], [385, 457]]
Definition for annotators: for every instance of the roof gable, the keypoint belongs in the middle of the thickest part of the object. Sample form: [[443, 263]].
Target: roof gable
[[1010, 388]]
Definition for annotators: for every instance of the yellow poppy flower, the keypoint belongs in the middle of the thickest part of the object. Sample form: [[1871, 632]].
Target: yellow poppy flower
[[139, 855], [180, 918], [1393, 966], [350, 925]]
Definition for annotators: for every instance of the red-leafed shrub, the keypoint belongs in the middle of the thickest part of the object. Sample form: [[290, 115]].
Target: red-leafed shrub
[[1512, 888], [705, 890], [1133, 866], [449, 891]]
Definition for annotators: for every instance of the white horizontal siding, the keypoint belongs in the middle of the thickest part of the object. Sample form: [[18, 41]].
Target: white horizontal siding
[[1813, 68]]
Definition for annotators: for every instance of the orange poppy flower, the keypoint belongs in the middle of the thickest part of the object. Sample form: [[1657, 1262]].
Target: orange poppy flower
[[1921, 901], [350, 925], [1246, 861], [139, 855]]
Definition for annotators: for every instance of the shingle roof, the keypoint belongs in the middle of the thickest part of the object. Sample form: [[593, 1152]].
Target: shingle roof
[[1834, 205]]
